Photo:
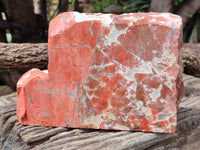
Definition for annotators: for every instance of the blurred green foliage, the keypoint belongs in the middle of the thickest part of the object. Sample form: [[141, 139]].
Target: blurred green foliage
[[130, 5], [4, 71], [99, 5], [178, 2], [143, 6], [187, 31], [137, 5]]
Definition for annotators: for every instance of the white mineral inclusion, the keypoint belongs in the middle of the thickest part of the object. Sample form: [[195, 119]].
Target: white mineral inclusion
[[132, 18], [80, 17], [112, 38], [45, 71], [173, 22]]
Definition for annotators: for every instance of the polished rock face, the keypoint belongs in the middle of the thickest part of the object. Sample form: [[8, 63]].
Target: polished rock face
[[107, 71]]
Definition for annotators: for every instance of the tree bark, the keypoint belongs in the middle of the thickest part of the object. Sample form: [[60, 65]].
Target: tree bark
[[2, 31], [41, 25], [21, 12], [62, 6], [161, 5], [23, 56], [188, 9], [191, 59], [26, 56], [16, 136], [2, 36], [30, 17]]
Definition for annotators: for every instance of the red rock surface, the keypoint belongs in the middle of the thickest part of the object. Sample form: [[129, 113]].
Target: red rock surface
[[107, 72]]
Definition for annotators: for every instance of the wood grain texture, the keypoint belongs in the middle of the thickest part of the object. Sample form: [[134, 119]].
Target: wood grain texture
[[17, 136], [23, 56], [191, 59], [26, 56]]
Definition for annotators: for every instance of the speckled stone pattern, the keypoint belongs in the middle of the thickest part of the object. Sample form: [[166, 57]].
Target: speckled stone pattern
[[106, 71]]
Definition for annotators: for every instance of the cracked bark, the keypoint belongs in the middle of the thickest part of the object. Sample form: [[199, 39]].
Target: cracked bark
[[26, 56]]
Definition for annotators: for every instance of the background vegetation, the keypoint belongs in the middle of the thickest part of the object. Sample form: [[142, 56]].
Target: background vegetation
[[27, 21]]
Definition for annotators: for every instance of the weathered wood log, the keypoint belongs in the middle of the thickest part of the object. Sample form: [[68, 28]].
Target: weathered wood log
[[16, 136], [23, 56], [4, 90], [10, 78], [191, 85], [26, 56], [191, 59]]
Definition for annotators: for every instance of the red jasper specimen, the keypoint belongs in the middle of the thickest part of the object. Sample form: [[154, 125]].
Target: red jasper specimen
[[107, 71]]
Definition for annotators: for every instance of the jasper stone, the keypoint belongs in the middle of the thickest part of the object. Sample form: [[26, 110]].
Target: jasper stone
[[106, 71]]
